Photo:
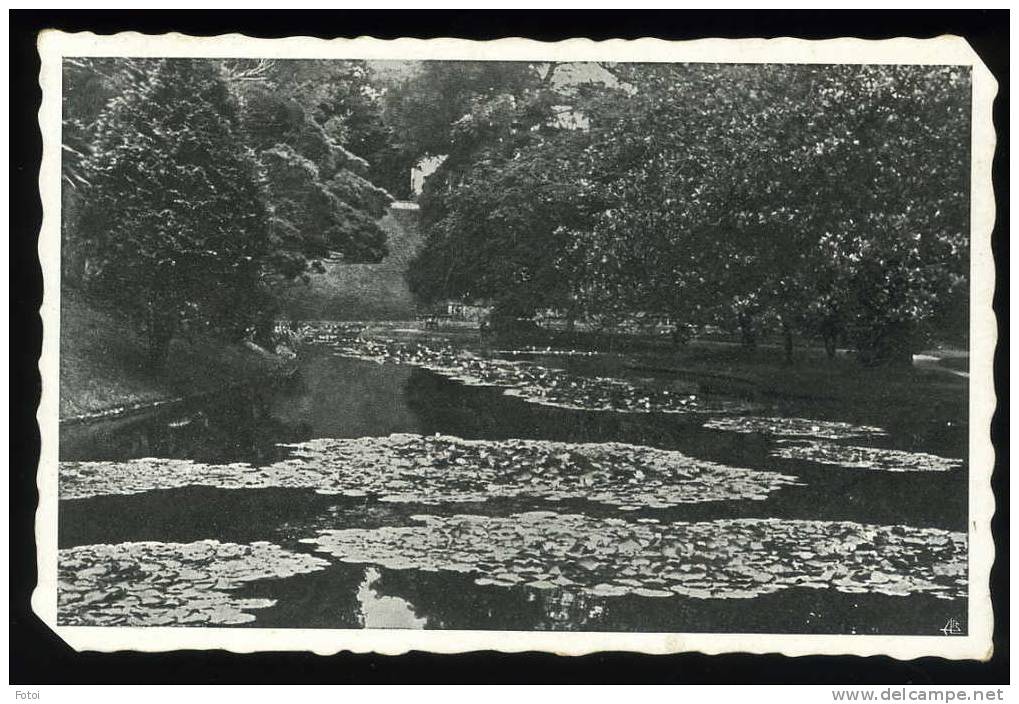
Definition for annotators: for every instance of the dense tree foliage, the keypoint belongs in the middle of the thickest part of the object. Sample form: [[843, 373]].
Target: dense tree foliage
[[503, 237], [830, 199], [317, 194], [819, 200], [502, 210], [432, 104], [798, 200], [175, 222], [195, 190]]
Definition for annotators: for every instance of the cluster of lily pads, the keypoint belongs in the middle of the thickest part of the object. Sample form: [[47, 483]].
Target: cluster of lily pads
[[535, 383], [436, 469], [794, 427], [329, 332], [531, 351], [722, 559], [856, 457], [169, 584]]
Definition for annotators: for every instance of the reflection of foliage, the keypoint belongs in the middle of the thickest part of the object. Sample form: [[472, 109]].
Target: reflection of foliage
[[864, 457], [436, 469], [168, 584], [378, 610], [452, 601], [238, 424], [724, 559], [568, 609]]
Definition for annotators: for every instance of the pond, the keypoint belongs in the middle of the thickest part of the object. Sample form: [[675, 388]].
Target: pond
[[399, 484]]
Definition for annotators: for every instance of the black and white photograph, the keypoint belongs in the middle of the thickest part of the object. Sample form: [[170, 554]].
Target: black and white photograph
[[530, 341]]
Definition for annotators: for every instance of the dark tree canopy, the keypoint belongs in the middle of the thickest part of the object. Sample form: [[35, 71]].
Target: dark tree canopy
[[175, 221], [828, 200], [197, 190], [825, 201]]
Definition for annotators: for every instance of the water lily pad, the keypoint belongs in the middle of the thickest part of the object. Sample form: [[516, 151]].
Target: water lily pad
[[437, 469], [731, 559], [854, 457], [794, 427], [162, 584], [531, 350]]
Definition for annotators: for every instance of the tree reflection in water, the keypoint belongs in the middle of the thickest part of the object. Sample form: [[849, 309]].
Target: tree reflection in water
[[237, 426]]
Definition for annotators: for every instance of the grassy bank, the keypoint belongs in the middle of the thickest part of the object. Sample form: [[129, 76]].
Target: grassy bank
[[103, 371], [364, 291]]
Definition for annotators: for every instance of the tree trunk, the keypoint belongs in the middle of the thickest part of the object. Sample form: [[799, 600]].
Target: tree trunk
[[161, 326], [681, 336], [829, 344], [897, 351], [787, 342], [748, 336], [265, 332], [891, 345]]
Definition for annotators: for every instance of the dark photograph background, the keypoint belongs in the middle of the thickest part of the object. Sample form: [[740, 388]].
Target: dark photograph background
[[39, 657]]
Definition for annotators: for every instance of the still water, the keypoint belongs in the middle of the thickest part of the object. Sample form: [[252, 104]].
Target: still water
[[388, 489]]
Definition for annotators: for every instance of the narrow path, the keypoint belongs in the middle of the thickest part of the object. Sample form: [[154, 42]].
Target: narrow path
[[929, 361]]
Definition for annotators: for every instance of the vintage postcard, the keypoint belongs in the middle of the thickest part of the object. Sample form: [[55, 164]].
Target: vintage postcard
[[451, 345]]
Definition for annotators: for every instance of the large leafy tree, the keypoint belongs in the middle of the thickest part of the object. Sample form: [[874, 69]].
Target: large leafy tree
[[175, 221], [825, 199], [501, 211], [341, 101], [820, 200], [505, 235], [887, 186], [287, 120], [89, 83], [427, 107], [319, 197]]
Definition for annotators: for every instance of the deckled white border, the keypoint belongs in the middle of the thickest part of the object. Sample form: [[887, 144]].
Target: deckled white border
[[53, 46]]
